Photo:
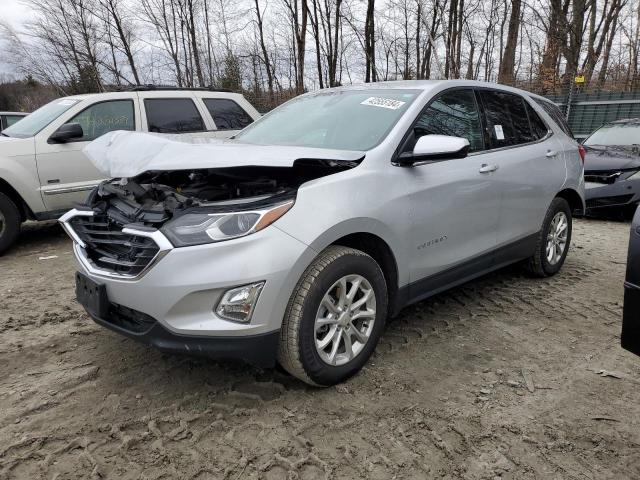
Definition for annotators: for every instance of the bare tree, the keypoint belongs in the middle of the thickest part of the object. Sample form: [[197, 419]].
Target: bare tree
[[298, 17], [601, 31], [507, 64], [263, 47], [161, 14], [370, 42], [115, 19], [274, 49]]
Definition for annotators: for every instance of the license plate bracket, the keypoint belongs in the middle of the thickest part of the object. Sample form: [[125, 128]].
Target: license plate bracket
[[92, 296]]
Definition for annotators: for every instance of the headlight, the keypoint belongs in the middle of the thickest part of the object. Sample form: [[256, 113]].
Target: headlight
[[199, 228]]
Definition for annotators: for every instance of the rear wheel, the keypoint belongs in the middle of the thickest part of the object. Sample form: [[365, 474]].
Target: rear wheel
[[9, 222], [335, 317], [553, 240]]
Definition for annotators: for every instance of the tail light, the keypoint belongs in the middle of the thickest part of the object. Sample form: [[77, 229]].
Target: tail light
[[583, 152]]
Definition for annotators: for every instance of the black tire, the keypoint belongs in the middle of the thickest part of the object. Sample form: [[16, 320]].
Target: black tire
[[538, 265], [297, 349], [9, 223], [630, 212]]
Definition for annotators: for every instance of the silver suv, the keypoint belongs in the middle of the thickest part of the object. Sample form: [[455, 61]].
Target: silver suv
[[298, 239]]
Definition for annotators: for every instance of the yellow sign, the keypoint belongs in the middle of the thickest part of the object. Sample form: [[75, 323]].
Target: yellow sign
[[580, 79]]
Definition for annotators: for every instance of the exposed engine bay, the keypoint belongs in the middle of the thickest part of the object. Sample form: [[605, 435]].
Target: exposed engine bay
[[154, 197]]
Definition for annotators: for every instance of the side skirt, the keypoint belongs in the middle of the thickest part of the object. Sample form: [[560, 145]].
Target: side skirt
[[464, 272]]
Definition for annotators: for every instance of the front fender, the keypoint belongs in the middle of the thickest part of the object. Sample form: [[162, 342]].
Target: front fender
[[21, 174], [370, 226]]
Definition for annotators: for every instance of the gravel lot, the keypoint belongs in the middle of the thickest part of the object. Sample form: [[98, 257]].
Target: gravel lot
[[495, 379]]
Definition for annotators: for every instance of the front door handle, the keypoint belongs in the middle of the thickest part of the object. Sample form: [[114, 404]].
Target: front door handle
[[488, 168], [551, 153]]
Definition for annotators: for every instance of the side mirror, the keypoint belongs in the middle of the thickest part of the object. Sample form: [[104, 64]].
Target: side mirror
[[66, 132], [433, 148]]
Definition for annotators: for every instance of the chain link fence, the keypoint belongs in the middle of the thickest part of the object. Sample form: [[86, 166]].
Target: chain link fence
[[587, 106]]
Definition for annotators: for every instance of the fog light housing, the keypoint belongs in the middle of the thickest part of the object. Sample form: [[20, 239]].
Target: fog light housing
[[237, 304]]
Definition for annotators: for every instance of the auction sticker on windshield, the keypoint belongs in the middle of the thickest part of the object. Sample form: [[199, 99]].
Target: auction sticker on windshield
[[389, 103]]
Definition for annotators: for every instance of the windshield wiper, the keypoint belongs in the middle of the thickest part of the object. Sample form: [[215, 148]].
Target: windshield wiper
[[4, 134]]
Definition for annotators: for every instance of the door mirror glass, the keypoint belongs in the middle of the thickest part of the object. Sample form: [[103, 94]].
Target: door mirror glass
[[66, 132], [435, 147]]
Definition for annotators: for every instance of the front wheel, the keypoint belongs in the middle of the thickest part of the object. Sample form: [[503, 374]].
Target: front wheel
[[553, 240], [9, 222], [334, 318]]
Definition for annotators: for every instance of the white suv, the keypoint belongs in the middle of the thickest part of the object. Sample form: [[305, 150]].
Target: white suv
[[43, 171]]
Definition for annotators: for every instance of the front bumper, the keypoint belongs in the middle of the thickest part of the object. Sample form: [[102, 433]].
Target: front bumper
[[630, 338], [619, 194], [259, 350], [180, 291]]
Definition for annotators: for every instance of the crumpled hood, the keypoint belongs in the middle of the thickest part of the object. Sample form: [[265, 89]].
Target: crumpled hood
[[610, 159], [128, 154]]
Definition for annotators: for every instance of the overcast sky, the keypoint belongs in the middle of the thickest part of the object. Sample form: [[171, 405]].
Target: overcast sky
[[15, 13]]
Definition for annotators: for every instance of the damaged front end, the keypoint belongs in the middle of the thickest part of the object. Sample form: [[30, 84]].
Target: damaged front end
[[127, 224]]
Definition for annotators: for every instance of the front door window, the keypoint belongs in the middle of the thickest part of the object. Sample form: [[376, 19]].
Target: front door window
[[454, 113], [104, 117]]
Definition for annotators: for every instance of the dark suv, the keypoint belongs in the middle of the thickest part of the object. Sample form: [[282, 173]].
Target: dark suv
[[612, 167]]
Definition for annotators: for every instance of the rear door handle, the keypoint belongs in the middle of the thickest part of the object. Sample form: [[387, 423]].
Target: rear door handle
[[551, 153], [488, 168]]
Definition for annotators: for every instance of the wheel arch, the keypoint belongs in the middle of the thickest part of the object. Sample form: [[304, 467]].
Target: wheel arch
[[12, 193], [573, 198], [378, 249]]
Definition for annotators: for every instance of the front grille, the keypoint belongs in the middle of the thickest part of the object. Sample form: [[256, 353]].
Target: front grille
[[609, 201], [109, 248], [606, 177]]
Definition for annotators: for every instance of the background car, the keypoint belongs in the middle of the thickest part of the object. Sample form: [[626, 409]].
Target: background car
[[9, 118], [43, 171], [630, 338], [612, 167]]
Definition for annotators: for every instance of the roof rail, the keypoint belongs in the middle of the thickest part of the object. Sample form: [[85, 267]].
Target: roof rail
[[151, 87]]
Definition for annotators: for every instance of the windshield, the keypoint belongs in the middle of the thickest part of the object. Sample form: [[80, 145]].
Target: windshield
[[342, 120], [615, 134], [33, 123]]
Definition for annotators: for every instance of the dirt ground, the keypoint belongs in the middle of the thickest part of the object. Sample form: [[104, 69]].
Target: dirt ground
[[506, 377]]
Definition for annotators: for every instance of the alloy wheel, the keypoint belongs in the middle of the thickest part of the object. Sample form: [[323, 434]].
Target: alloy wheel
[[557, 238], [345, 319]]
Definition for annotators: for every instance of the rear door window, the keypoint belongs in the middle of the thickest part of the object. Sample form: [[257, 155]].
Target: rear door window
[[227, 114], [454, 113], [173, 115], [506, 118], [556, 115], [104, 117], [538, 127]]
